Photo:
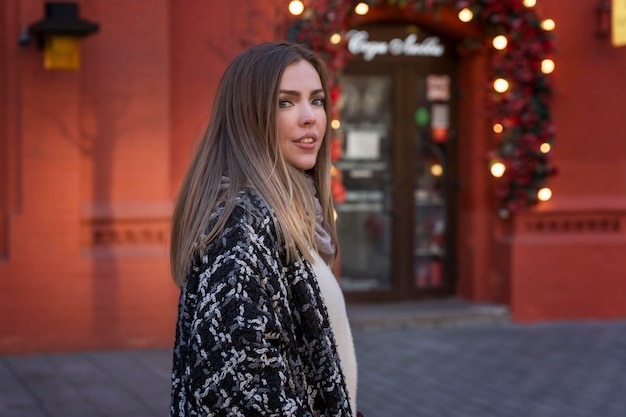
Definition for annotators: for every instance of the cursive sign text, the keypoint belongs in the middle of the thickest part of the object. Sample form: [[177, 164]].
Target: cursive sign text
[[359, 44]]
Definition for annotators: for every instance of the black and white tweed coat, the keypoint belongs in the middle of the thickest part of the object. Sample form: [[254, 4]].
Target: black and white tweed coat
[[253, 336]]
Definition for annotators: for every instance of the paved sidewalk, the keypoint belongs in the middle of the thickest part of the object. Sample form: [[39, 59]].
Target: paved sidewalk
[[475, 369], [501, 370]]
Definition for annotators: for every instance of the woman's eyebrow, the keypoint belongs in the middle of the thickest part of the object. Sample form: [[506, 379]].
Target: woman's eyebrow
[[297, 93]]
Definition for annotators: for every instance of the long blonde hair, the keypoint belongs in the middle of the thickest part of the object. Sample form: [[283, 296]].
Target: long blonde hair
[[241, 142]]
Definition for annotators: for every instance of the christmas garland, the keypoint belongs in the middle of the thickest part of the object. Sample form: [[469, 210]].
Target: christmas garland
[[521, 114]]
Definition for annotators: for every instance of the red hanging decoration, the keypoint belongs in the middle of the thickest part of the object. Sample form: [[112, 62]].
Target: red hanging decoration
[[523, 109]]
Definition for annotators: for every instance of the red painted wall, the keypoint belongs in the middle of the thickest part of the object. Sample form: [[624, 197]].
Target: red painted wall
[[563, 259], [91, 166], [91, 160], [87, 264], [568, 255], [205, 36]]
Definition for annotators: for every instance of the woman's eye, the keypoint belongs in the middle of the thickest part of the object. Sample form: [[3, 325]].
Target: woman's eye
[[319, 101], [284, 103]]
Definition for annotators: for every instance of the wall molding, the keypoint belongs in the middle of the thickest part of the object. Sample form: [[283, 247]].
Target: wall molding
[[125, 227]]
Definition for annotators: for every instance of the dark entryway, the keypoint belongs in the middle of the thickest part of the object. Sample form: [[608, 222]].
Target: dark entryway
[[396, 226]]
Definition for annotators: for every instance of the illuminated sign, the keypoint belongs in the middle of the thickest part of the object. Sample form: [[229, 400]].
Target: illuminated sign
[[360, 44]]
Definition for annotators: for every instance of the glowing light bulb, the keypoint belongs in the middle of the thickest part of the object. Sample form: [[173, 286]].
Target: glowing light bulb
[[498, 128], [529, 3], [335, 124], [501, 85], [335, 38], [361, 9], [545, 147], [497, 169], [548, 25], [500, 42], [544, 194], [547, 66], [296, 7], [436, 170], [466, 15]]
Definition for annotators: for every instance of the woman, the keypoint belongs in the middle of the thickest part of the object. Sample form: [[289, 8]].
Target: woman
[[262, 327]]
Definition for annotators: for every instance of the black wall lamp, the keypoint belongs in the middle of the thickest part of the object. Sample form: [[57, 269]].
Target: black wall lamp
[[59, 34]]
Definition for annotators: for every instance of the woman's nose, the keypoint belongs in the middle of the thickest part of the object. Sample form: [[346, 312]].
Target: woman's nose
[[308, 115]]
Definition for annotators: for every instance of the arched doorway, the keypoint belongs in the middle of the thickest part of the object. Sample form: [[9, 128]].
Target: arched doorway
[[483, 126]]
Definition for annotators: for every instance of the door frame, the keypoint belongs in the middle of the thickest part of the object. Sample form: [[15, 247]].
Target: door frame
[[404, 130]]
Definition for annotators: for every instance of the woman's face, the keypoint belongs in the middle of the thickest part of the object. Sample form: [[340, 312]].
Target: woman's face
[[301, 115]]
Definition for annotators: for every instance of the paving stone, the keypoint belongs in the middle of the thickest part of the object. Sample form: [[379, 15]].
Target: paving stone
[[495, 369]]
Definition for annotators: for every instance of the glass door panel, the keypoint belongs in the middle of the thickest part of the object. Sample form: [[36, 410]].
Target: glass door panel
[[364, 218], [431, 170]]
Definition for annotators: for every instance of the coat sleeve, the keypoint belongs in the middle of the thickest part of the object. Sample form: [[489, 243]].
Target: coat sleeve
[[237, 346]]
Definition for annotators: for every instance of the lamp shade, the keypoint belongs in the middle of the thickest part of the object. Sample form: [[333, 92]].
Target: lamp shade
[[61, 18]]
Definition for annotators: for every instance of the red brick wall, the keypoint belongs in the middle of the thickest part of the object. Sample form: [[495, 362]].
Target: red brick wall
[[101, 152], [475, 216], [569, 264], [562, 259], [90, 161], [88, 263], [4, 140], [205, 36], [568, 255]]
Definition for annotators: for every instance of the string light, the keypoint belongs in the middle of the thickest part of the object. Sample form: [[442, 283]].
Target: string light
[[500, 42], [497, 169], [436, 170], [296, 7], [544, 194], [548, 25], [361, 9], [513, 198], [501, 85], [466, 15], [547, 66]]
